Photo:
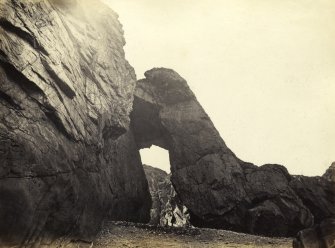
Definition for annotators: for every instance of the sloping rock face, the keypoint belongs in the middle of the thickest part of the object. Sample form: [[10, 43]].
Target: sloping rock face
[[166, 209], [66, 91], [319, 236], [219, 189], [330, 173]]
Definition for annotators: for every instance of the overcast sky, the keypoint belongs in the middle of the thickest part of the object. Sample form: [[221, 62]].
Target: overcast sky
[[264, 71]]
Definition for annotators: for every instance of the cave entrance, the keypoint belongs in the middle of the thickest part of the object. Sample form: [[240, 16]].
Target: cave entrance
[[157, 157]]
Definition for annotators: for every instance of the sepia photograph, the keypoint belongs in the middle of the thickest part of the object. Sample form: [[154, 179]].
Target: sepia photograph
[[167, 123]]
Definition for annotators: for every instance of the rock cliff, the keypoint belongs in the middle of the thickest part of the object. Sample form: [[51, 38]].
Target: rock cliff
[[66, 91], [219, 189]]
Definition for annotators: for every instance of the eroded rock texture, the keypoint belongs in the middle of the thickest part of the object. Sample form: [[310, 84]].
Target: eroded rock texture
[[167, 209], [66, 91], [219, 189]]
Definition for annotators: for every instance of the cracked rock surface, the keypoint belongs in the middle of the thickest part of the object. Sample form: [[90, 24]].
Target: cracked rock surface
[[66, 92]]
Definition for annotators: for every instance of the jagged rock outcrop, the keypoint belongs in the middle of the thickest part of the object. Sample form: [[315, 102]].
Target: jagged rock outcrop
[[66, 90], [330, 173], [319, 236], [167, 209], [219, 189]]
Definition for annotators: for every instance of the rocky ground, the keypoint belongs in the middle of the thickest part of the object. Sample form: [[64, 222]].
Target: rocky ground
[[122, 234]]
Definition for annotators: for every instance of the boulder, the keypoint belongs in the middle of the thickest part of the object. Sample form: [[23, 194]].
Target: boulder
[[273, 201], [66, 91]]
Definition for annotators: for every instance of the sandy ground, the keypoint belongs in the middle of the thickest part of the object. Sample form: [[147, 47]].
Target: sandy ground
[[125, 234], [120, 234]]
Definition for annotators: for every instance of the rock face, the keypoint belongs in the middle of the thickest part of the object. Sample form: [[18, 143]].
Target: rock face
[[330, 173], [317, 194], [272, 200], [167, 209], [320, 236], [219, 189], [66, 90]]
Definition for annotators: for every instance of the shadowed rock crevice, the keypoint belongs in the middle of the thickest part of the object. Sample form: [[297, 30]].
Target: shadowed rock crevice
[[52, 115], [63, 83], [9, 27], [9, 100], [147, 127], [18, 77]]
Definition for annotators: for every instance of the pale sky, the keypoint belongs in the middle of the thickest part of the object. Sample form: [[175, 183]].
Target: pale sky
[[264, 71]]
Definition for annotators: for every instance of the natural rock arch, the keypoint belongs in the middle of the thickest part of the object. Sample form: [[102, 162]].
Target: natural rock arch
[[167, 114], [219, 189]]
